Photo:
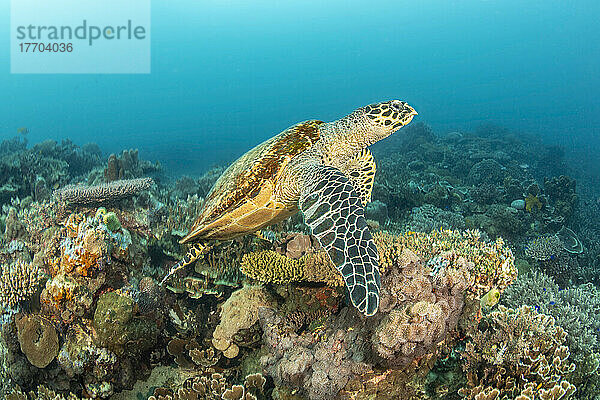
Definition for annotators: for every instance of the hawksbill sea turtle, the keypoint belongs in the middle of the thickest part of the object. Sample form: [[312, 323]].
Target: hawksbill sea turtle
[[323, 169]]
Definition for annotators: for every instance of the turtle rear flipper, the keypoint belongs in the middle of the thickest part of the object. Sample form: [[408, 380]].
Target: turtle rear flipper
[[333, 210], [194, 253]]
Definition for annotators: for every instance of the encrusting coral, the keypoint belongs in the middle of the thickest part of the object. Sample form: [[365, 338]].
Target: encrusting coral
[[38, 339], [517, 354], [239, 312]]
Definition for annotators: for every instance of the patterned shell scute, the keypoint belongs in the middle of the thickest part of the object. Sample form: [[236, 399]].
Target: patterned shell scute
[[244, 178]]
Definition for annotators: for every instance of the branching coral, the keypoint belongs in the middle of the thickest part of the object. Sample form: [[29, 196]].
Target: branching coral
[[577, 311], [103, 193], [518, 354], [18, 282], [544, 248], [14, 229]]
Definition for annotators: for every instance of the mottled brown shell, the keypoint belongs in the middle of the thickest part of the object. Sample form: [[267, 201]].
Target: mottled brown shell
[[242, 201]]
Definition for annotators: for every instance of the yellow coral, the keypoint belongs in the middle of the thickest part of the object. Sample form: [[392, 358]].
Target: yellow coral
[[531, 202], [269, 266]]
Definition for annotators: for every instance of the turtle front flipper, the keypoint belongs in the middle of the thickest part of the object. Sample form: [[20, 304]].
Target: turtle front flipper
[[192, 255], [361, 169], [333, 210]]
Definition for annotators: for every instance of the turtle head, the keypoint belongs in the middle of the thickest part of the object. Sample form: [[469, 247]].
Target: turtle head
[[388, 116], [377, 121]]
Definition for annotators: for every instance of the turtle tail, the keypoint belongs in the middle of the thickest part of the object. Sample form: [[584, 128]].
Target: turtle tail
[[192, 255]]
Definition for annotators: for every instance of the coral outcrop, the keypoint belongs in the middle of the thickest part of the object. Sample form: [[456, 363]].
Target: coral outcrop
[[119, 329], [239, 312], [518, 354], [422, 305]]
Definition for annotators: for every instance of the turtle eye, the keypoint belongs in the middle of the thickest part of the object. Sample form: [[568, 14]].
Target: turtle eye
[[397, 105]]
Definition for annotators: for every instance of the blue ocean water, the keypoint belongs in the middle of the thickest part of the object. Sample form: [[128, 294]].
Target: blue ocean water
[[227, 75]]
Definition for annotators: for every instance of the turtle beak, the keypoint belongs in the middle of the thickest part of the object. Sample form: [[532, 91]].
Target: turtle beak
[[406, 112]]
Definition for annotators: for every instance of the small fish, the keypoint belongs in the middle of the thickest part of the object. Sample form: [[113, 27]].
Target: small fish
[[23, 130], [490, 299]]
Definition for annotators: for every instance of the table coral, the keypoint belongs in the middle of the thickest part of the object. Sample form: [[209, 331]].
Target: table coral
[[104, 193], [212, 385]]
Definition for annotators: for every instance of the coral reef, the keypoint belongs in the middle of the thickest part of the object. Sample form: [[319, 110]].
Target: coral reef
[[517, 354], [422, 300], [102, 327]]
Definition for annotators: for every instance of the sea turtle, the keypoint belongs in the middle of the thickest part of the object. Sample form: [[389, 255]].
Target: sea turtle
[[323, 169]]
